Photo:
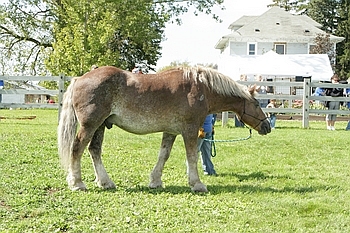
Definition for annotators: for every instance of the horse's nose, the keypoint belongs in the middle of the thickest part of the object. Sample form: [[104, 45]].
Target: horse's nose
[[265, 127]]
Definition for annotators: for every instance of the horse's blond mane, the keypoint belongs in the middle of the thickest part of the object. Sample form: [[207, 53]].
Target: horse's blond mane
[[216, 81]]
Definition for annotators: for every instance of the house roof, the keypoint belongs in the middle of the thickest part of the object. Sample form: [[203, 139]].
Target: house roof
[[275, 25]]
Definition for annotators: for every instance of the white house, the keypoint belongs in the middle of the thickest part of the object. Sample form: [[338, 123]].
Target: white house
[[282, 32], [17, 93]]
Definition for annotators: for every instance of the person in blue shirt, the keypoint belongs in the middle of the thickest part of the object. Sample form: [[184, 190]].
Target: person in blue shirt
[[204, 146], [319, 91], [272, 115], [347, 93]]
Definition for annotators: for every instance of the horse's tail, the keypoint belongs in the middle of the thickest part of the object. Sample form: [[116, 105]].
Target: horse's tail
[[67, 127]]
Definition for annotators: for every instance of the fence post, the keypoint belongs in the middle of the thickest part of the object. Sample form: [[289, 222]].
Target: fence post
[[306, 101], [61, 91], [224, 118]]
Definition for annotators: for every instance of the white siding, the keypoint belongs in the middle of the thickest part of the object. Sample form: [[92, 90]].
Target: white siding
[[238, 48], [264, 47], [13, 98], [294, 48]]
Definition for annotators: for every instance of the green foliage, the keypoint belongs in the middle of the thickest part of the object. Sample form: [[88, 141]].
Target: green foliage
[[25, 35], [93, 32], [324, 46], [51, 85], [66, 36], [343, 49], [175, 64], [333, 15], [325, 12], [290, 5], [292, 180]]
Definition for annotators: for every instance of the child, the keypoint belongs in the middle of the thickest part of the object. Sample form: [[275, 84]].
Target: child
[[272, 115]]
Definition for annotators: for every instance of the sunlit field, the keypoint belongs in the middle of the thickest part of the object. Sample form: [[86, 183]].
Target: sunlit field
[[292, 180]]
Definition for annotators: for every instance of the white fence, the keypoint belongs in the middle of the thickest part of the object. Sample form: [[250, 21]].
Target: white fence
[[304, 93], [61, 79]]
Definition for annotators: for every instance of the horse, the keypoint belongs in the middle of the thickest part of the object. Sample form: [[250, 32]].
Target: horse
[[173, 102]]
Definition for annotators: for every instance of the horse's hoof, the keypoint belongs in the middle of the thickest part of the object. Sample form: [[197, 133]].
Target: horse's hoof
[[107, 185], [199, 187], [80, 187], [154, 185]]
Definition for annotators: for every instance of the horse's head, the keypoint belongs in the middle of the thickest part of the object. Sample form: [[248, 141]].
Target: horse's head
[[253, 115], [230, 95]]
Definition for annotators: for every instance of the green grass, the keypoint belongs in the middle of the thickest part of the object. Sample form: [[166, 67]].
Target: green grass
[[292, 180]]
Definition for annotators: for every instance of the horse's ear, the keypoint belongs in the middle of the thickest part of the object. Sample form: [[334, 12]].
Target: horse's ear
[[252, 89]]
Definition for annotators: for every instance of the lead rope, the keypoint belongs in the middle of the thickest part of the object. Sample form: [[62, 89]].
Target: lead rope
[[233, 140], [212, 140]]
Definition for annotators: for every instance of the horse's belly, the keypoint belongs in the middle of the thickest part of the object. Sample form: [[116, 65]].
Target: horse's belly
[[139, 124]]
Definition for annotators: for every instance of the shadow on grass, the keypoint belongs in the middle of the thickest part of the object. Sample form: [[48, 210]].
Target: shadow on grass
[[247, 189], [288, 127], [253, 176], [219, 189]]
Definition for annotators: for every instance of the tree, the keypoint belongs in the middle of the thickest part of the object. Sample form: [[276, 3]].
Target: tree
[[324, 46], [72, 35], [333, 15], [291, 5], [343, 50], [98, 34], [175, 64], [25, 36], [326, 13]]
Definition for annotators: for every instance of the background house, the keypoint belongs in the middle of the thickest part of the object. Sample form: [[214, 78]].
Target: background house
[[19, 93], [286, 34]]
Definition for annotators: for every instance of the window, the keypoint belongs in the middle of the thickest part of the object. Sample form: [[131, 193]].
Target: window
[[312, 48], [252, 48], [280, 48]]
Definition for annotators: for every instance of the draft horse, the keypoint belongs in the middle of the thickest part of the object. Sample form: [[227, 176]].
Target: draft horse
[[174, 102]]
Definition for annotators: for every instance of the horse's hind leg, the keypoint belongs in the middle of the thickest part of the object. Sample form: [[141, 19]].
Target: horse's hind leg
[[74, 168], [163, 156], [102, 178]]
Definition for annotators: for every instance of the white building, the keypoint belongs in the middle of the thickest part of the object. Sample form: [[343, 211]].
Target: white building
[[246, 50]]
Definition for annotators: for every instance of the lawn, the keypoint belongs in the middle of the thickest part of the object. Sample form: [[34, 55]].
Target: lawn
[[292, 180]]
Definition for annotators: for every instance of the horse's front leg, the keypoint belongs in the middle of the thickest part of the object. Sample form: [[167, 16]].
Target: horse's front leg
[[102, 178], [163, 156], [190, 141]]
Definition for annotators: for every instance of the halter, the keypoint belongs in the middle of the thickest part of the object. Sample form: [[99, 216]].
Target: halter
[[212, 140], [244, 113]]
